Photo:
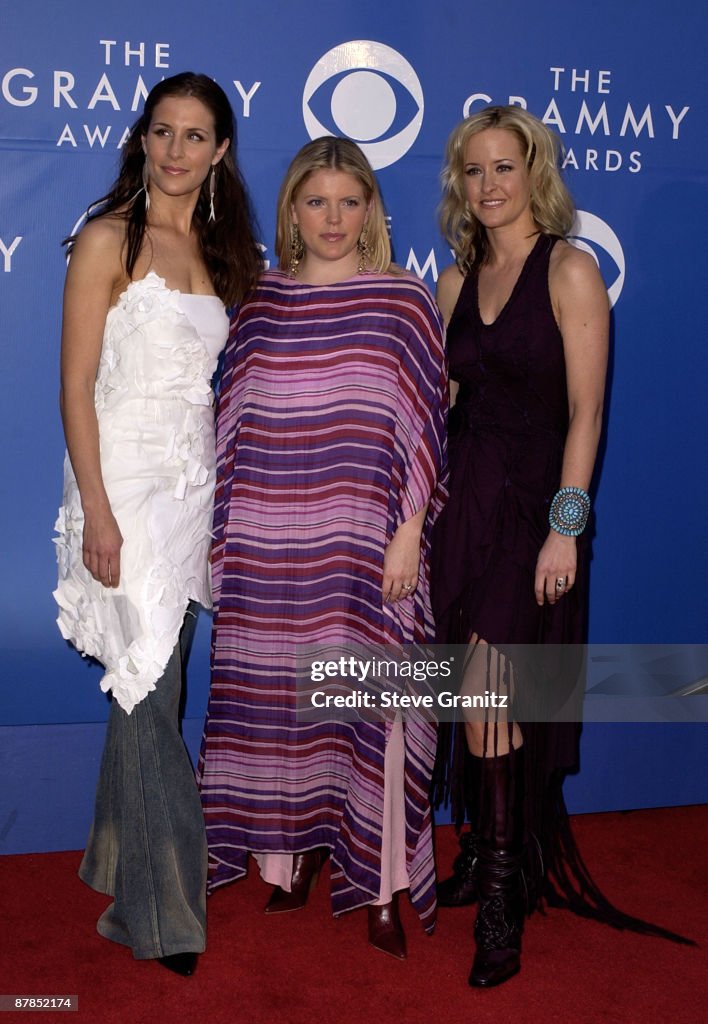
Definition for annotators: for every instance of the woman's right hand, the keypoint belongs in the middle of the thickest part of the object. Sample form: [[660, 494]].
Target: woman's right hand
[[95, 273], [101, 548]]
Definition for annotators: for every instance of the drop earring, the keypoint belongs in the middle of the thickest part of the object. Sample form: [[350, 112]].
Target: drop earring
[[297, 249], [363, 248], [146, 182], [212, 190]]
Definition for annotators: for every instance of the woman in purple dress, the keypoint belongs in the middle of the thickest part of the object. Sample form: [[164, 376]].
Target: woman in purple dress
[[527, 341], [329, 455]]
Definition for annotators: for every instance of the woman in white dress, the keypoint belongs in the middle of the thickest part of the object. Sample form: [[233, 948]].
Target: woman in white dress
[[144, 322]]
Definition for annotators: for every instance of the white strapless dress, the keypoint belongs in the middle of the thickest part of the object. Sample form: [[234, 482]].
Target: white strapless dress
[[154, 404]]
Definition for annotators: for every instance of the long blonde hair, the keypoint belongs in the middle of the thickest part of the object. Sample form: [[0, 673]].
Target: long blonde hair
[[333, 153], [552, 208]]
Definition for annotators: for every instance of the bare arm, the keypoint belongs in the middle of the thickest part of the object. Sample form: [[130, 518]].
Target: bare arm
[[94, 274], [581, 306], [447, 293]]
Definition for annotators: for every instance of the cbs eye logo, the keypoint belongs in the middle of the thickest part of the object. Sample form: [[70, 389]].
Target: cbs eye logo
[[368, 92], [594, 235]]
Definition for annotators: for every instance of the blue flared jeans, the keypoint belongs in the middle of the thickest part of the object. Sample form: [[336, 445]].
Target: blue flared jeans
[[147, 847]]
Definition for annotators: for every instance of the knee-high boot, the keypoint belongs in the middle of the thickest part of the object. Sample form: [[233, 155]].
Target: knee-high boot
[[500, 917], [460, 889]]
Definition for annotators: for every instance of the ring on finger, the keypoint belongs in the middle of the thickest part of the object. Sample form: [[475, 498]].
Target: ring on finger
[[561, 582]]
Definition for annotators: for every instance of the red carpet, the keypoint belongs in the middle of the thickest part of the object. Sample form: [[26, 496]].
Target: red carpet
[[305, 967]]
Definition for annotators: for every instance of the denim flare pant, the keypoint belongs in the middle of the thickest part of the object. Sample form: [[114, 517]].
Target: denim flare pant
[[147, 846]]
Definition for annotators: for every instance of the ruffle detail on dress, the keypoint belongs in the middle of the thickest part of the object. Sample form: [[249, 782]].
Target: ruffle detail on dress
[[139, 669], [185, 449], [81, 620], [98, 621], [172, 361], [153, 400]]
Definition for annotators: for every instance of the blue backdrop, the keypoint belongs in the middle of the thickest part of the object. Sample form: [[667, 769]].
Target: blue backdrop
[[622, 84]]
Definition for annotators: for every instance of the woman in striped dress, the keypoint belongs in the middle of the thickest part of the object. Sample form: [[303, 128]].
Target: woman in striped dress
[[330, 456]]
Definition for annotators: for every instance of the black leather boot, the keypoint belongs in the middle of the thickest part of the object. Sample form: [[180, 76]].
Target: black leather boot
[[500, 917], [460, 889]]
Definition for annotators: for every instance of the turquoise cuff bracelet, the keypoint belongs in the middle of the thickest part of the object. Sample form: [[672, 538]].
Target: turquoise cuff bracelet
[[569, 511]]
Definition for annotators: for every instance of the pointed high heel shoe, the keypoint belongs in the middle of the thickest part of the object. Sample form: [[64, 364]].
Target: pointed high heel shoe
[[385, 929], [306, 869], [180, 963], [499, 923]]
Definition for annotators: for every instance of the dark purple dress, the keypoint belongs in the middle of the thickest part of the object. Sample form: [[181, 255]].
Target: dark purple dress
[[506, 438], [507, 433]]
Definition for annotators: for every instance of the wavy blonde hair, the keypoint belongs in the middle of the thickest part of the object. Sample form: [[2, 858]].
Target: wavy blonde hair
[[552, 208], [333, 153]]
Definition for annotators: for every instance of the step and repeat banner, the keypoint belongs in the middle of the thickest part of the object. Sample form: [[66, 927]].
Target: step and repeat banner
[[622, 84]]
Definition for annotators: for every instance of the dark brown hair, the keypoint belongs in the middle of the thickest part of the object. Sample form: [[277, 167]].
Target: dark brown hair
[[227, 243]]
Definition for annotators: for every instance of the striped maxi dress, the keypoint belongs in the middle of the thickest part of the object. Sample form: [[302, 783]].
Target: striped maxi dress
[[330, 434]]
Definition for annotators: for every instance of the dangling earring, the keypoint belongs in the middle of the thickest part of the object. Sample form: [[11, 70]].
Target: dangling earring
[[146, 182], [212, 190], [297, 249], [363, 248]]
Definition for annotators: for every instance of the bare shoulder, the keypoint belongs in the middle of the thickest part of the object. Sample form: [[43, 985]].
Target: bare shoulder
[[448, 291], [573, 270], [104, 235], [97, 253], [578, 293]]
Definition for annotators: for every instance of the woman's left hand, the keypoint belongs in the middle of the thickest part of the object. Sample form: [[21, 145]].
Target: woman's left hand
[[401, 562], [555, 568]]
